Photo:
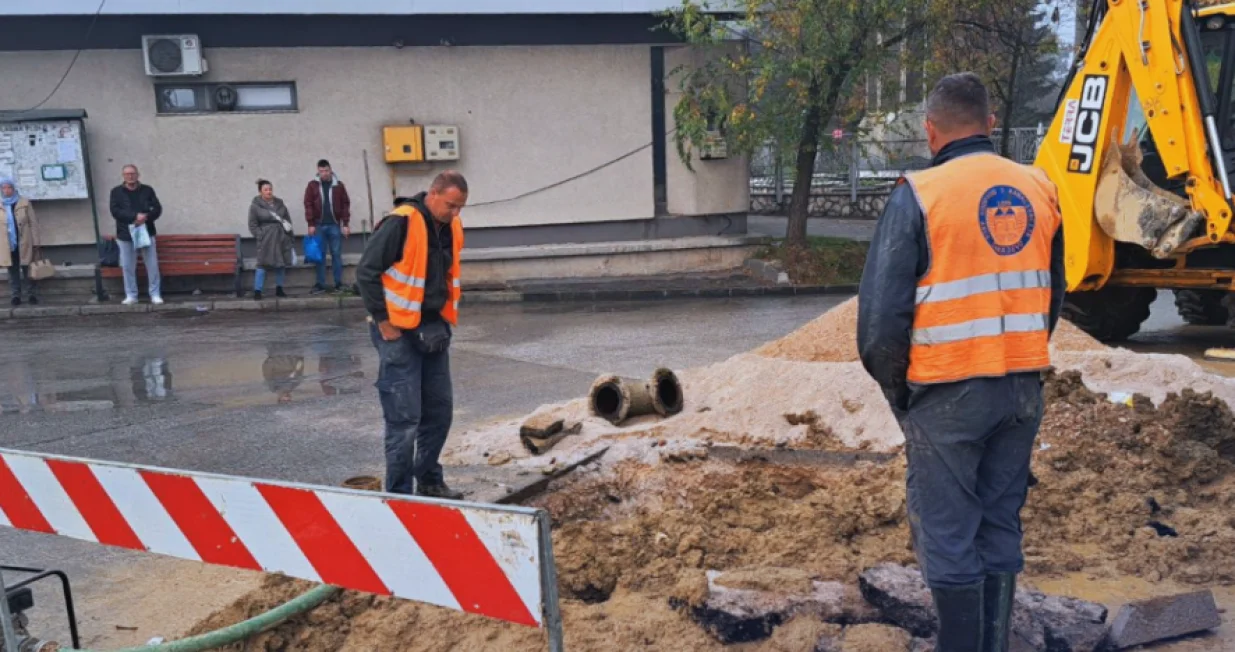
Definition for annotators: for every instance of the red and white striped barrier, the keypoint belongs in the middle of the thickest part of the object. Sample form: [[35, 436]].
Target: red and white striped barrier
[[491, 560]]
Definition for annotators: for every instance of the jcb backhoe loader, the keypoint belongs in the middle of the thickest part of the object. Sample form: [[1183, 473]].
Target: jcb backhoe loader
[[1141, 148]]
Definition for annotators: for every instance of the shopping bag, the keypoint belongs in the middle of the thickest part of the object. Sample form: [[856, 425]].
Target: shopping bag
[[41, 268], [141, 236], [312, 250]]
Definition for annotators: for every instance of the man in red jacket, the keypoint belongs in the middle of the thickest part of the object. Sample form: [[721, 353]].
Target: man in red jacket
[[328, 210]]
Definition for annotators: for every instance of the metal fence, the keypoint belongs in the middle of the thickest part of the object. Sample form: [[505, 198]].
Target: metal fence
[[857, 167]]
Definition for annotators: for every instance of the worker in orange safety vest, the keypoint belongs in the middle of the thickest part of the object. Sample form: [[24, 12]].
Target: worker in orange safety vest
[[962, 289], [409, 278]]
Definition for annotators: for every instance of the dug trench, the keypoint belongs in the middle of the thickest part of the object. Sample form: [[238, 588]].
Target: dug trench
[[1125, 489], [1121, 490]]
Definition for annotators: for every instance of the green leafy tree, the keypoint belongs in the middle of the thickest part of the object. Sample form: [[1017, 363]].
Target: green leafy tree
[[1013, 46], [785, 72]]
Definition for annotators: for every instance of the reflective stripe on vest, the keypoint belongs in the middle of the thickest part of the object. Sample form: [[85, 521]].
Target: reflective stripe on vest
[[988, 327], [393, 297], [982, 308], [967, 287], [404, 278]]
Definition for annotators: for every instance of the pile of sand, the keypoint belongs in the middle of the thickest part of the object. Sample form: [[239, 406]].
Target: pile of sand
[[769, 397], [833, 338]]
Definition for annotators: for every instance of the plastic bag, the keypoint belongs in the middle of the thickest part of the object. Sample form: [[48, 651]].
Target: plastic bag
[[312, 250], [141, 236]]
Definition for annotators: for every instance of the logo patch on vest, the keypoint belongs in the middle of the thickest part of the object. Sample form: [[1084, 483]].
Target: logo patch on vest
[[1007, 220]]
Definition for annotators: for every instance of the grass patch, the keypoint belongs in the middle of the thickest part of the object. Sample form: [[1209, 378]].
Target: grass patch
[[823, 261]]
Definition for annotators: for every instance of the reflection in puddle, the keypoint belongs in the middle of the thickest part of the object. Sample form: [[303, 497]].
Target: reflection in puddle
[[30, 384], [283, 369], [340, 374], [152, 380], [24, 389]]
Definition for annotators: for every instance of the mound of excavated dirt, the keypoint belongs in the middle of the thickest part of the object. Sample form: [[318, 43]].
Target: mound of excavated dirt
[[1134, 490], [1151, 489]]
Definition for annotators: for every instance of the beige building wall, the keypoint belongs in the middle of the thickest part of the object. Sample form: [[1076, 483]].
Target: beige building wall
[[528, 117], [715, 186]]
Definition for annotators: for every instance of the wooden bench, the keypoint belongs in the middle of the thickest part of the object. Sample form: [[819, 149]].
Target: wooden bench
[[192, 255]]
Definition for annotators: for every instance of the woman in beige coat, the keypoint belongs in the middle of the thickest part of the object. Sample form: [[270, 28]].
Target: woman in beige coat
[[18, 239]]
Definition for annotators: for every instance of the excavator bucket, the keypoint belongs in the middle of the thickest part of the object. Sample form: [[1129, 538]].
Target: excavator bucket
[[1131, 208]]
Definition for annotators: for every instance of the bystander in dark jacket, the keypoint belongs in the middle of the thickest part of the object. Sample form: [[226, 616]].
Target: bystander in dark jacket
[[127, 202]]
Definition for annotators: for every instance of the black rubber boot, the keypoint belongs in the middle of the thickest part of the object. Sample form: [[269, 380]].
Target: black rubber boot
[[999, 597], [960, 618]]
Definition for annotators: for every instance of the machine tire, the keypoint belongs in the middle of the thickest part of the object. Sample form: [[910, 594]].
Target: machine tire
[[1201, 307], [1112, 314]]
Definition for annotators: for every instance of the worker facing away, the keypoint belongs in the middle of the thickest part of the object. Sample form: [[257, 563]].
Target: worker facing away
[[961, 291], [409, 279]]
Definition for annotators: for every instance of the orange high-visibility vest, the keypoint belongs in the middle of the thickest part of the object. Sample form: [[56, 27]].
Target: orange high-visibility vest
[[404, 282], [982, 309]]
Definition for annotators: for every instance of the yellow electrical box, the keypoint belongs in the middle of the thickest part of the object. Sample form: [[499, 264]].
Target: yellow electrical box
[[404, 143]]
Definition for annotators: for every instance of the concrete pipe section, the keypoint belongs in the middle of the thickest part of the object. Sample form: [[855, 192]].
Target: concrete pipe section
[[666, 390], [617, 399]]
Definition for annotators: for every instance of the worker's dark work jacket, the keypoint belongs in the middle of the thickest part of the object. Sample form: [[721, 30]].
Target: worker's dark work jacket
[[968, 440]]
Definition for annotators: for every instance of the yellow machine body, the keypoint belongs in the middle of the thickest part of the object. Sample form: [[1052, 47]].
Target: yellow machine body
[[1136, 56]]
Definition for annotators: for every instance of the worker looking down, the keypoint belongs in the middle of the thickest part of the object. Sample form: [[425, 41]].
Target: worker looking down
[[962, 288], [409, 279]]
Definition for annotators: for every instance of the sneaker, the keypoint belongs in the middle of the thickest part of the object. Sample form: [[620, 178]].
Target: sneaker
[[317, 289], [129, 301], [257, 295], [34, 301], [158, 301], [16, 301], [278, 292], [438, 491]]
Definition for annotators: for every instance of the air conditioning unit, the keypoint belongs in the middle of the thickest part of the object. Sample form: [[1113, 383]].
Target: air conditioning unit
[[173, 55]]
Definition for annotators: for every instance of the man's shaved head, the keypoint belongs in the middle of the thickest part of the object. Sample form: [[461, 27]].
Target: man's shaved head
[[959, 102]]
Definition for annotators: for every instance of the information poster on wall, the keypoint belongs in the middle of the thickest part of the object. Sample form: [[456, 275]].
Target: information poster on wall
[[44, 159]]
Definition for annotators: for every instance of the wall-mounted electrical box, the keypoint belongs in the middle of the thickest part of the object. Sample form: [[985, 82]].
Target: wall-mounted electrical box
[[714, 147], [404, 143], [441, 143]]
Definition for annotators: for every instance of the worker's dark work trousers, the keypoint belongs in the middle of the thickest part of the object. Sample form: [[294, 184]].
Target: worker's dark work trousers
[[418, 407], [969, 445]]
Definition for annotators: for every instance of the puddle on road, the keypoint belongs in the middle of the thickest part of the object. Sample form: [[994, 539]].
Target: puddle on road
[[278, 372]]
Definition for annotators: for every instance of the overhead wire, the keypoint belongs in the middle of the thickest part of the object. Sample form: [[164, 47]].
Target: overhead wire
[[84, 42], [567, 180]]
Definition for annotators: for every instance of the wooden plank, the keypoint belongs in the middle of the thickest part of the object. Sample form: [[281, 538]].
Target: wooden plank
[[197, 238]]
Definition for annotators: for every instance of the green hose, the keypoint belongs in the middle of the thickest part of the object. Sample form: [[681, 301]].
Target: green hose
[[241, 630]]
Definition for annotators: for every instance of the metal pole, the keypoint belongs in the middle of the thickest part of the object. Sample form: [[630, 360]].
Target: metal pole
[[853, 170], [364, 235], [94, 210], [778, 172], [551, 608], [6, 618]]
